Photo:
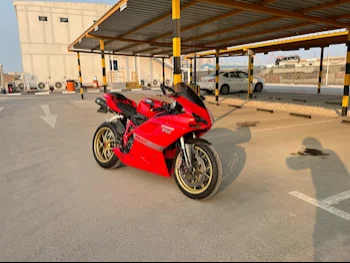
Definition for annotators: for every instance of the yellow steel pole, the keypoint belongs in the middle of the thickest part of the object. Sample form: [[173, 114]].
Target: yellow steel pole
[[321, 70], [191, 71], [217, 69], [103, 62], [163, 70], [250, 75], [176, 41], [80, 77], [345, 103]]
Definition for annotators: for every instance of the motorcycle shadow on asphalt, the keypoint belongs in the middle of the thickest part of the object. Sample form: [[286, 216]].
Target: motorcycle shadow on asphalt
[[232, 154]]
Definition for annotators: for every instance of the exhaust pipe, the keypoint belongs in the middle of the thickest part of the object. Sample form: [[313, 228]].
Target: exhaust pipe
[[103, 106]]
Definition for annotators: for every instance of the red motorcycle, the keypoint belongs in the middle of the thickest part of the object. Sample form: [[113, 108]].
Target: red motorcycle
[[162, 138]]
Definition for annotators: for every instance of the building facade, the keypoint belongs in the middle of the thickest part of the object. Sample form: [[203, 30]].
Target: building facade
[[47, 28]]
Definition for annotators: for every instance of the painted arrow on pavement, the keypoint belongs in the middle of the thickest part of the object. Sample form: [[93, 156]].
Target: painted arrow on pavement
[[49, 118]]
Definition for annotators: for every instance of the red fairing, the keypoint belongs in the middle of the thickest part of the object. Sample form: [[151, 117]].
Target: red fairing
[[193, 108], [144, 108]]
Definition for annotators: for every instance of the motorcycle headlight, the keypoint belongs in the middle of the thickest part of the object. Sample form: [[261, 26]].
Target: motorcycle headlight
[[211, 117]]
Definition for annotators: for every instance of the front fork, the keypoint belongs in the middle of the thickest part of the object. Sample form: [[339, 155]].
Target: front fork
[[188, 152]]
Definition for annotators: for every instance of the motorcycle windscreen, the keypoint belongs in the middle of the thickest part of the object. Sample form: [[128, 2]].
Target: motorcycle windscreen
[[184, 91]]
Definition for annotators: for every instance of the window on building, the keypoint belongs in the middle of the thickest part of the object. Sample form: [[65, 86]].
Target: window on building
[[64, 20], [43, 18], [114, 65]]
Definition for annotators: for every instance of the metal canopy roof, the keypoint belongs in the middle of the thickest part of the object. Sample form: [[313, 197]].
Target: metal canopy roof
[[288, 44], [145, 28]]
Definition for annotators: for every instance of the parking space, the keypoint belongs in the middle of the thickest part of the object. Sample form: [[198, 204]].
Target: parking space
[[285, 194], [327, 105]]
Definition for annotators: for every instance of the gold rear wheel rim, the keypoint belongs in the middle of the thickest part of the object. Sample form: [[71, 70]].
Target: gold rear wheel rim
[[103, 145], [208, 173]]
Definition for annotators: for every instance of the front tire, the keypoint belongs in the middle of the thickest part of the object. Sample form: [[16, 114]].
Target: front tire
[[205, 179], [102, 146]]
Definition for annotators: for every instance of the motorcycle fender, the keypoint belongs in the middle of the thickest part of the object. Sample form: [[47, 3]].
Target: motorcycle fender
[[120, 127], [197, 140]]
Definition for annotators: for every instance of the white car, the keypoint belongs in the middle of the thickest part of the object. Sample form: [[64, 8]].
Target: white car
[[234, 81]]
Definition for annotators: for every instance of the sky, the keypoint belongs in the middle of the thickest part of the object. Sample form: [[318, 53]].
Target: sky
[[10, 52]]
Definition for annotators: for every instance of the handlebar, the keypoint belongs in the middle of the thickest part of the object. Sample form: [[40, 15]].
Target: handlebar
[[164, 107]]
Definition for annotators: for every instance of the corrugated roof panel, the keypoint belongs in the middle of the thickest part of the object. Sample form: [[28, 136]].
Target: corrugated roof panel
[[334, 11], [230, 22], [87, 43], [345, 20], [189, 16], [116, 45], [294, 5], [250, 1], [276, 35], [137, 12], [278, 24]]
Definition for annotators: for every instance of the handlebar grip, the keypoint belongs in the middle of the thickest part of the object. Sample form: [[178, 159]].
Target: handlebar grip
[[157, 109]]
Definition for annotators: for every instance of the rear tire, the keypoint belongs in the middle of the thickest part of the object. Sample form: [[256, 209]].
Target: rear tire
[[104, 141], [210, 174], [225, 89]]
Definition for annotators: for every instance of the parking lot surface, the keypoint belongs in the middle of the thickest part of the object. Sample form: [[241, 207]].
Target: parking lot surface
[[285, 194]]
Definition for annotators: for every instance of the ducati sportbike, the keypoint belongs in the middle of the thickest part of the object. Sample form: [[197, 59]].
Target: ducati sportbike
[[162, 138]]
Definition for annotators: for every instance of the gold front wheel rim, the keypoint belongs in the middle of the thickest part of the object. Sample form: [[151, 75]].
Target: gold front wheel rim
[[208, 173], [103, 145]]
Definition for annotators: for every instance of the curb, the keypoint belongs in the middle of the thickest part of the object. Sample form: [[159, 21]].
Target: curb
[[235, 106], [265, 110], [308, 116], [41, 93], [300, 100], [12, 94]]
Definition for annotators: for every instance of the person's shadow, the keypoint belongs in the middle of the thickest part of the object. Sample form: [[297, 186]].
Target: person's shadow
[[331, 237], [232, 154]]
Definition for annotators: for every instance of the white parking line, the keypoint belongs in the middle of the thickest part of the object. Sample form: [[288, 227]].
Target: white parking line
[[294, 125], [335, 199], [69, 92], [1, 108], [323, 204], [277, 128], [14, 94], [42, 93]]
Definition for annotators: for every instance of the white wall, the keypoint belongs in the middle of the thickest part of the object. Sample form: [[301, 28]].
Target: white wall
[[44, 44]]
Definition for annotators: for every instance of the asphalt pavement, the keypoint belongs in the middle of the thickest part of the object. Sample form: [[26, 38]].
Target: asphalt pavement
[[285, 194]]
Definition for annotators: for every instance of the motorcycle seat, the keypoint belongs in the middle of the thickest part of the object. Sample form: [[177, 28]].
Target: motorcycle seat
[[130, 112], [118, 96]]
